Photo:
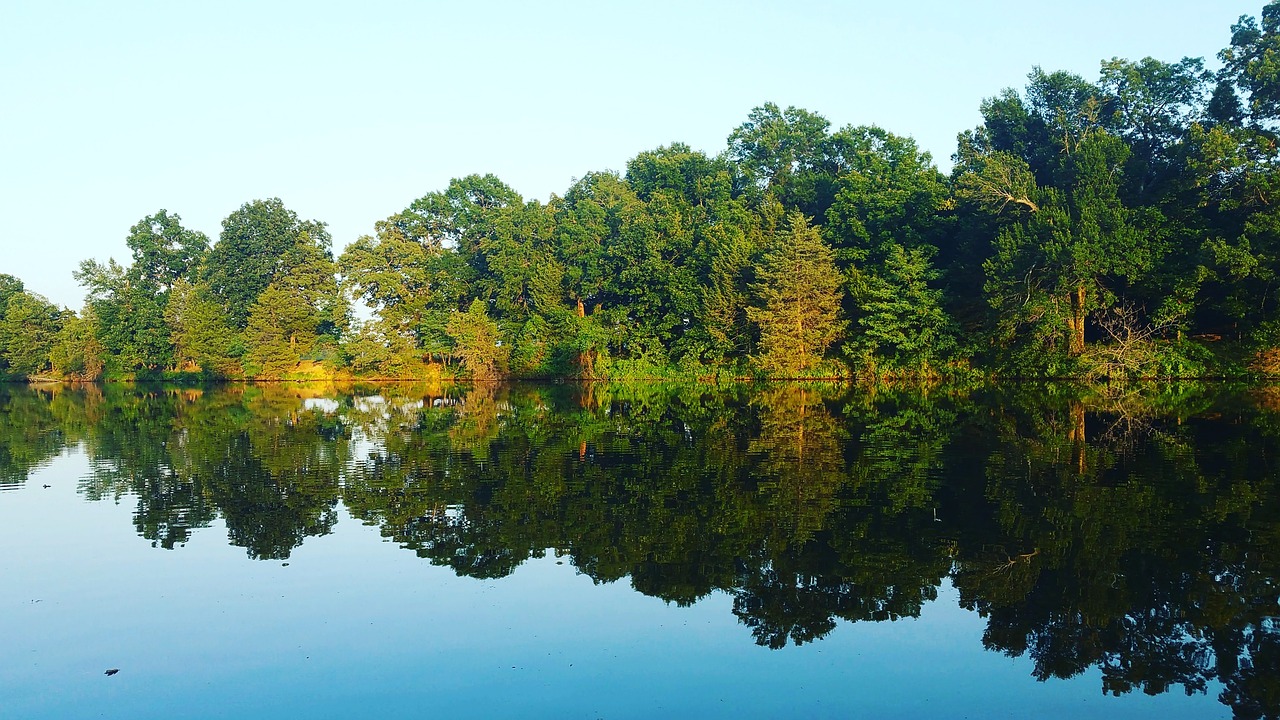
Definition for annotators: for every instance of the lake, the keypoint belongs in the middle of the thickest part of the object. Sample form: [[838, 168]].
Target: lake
[[632, 551]]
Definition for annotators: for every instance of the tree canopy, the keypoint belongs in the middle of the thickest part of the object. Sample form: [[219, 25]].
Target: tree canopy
[[1115, 226]]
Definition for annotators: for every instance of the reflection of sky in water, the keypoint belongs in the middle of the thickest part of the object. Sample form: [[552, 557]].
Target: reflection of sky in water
[[355, 627]]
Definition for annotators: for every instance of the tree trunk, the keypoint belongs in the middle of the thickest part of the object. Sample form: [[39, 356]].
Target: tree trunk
[[1076, 322], [1077, 437], [800, 338], [800, 434]]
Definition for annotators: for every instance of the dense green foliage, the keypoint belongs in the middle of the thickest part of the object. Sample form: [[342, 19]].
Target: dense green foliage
[[1112, 228]]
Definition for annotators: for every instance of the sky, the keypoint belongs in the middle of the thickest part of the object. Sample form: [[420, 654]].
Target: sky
[[348, 112]]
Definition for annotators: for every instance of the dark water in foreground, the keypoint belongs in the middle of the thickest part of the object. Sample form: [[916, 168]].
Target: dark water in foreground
[[558, 551]]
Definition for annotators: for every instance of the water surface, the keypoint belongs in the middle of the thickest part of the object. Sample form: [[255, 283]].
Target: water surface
[[632, 551]]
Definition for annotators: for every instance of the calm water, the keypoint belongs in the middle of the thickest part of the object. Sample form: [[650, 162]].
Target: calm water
[[560, 551]]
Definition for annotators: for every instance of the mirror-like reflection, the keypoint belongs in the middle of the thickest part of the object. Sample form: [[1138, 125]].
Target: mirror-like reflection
[[1133, 532]]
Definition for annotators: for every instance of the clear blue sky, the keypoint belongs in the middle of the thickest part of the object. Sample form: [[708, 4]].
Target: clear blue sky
[[112, 111]]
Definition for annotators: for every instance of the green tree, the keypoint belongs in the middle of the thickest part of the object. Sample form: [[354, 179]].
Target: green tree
[[1155, 104], [891, 211], [902, 325], [1249, 63], [523, 275], [164, 251], [1066, 259], [787, 153], [460, 216], [301, 313], [201, 335], [129, 303], [797, 303], [730, 240], [9, 286], [477, 341], [130, 313], [628, 261], [259, 242], [76, 352], [281, 329], [411, 284], [889, 195], [28, 331]]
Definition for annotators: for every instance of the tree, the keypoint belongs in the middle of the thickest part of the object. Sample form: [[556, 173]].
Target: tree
[[201, 336], [786, 153], [313, 276], [902, 326], [477, 341], [1058, 111], [891, 210], [28, 331], [889, 194], [164, 251], [412, 284], [797, 300], [76, 351], [130, 314], [1155, 103], [460, 216], [1046, 177], [302, 311], [1249, 63], [129, 303], [586, 218], [998, 180], [683, 171], [9, 286], [261, 241], [281, 329], [730, 240], [1064, 261], [523, 275], [630, 261]]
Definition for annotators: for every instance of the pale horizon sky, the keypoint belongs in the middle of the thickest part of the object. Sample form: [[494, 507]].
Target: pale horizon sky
[[348, 112]]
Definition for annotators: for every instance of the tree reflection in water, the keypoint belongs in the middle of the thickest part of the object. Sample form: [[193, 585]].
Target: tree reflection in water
[[1132, 532]]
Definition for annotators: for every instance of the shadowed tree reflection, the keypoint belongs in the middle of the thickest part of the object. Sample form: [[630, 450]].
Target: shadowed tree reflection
[[1144, 556], [686, 493], [258, 458], [130, 444], [1134, 532], [36, 426]]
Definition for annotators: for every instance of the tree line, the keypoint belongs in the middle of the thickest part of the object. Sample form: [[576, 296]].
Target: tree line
[[1123, 226]]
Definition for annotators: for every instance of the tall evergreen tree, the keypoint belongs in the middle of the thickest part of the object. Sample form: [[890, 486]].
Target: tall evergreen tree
[[478, 342], [201, 335], [797, 300]]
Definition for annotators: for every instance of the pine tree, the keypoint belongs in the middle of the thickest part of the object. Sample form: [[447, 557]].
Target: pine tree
[[476, 341], [199, 331], [903, 325], [797, 300]]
